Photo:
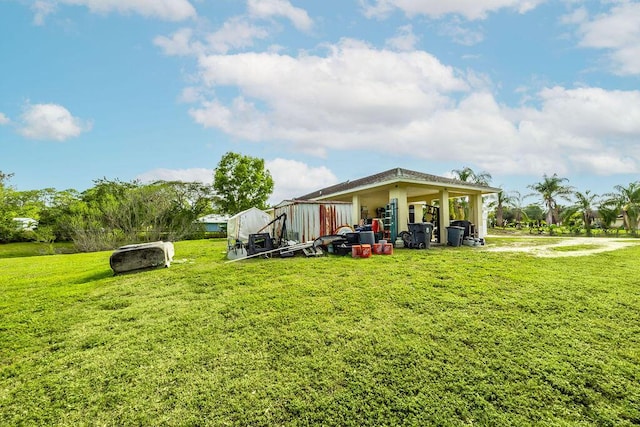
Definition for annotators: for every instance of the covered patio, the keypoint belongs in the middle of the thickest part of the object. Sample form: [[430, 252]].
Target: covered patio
[[411, 194]]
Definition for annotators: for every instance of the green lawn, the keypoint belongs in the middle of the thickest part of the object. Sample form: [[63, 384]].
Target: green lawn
[[25, 249], [445, 336]]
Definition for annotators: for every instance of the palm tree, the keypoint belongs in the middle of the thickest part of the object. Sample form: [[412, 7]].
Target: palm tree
[[607, 216], [467, 174], [517, 200], [584, 205], [502, 199], [627, 199], [551, 188]]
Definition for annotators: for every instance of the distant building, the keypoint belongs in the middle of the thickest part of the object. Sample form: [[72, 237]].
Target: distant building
[[214, 223], [26, 223]]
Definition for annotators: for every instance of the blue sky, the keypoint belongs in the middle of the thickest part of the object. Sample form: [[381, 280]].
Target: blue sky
[[324, 91]]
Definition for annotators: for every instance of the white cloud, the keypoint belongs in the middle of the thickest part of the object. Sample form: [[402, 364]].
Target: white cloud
[[41, 9], [577, 16], [345, 92], [269, 8], [605, 163], [592, 112], [460, 33], [617, 32], [293, 178], [4, 120], [191, 95], [235, 33], [470, 9], [586, 129], [409, 104], [51, 122], [179, 43], [240, 119], [202, 175], [405, 40], [169, 10], [325, 102]]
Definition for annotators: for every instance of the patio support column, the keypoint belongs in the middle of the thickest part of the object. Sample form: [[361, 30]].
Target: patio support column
[[476, 214], [443, 223], [400, 193], [355, 209]]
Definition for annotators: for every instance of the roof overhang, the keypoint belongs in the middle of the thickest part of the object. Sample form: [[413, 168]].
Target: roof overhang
[[417, 185]]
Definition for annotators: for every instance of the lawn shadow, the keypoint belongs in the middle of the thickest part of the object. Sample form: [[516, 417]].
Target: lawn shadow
[[93, 277]]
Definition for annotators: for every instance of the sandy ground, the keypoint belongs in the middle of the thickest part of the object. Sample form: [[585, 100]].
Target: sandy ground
[[597, 245]]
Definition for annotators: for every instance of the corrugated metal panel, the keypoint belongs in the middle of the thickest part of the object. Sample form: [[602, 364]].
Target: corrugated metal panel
[[306, 221]]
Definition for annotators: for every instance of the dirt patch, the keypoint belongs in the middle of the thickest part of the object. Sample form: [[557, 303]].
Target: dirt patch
[[569, 247]]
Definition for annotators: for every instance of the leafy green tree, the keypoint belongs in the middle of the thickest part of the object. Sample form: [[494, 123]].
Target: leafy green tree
[[533, 212], [108, 214], [550, 189], [53, 216], [241, 182], [627, 200], [606, 216], [8, 209], [113, 213], [585, 207], [168, 210], [14, 204], [502, 200]]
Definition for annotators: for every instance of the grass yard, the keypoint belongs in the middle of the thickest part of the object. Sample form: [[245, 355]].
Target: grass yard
[[15, 250], [445, 336]]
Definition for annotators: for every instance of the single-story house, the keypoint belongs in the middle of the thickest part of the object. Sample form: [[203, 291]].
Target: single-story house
[[408, 194], [214, 223]]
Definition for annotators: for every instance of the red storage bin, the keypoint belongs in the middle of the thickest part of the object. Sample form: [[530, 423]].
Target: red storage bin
[[366, 251], [356, 251]]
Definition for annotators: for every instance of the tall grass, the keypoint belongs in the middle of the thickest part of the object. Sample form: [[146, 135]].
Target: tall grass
[[446, 336]]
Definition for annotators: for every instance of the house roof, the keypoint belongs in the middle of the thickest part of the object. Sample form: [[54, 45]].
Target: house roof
[[214, 219], [308, 202], [397, 175]]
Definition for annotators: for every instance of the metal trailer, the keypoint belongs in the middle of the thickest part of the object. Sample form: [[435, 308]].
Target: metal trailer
[[309, 219]]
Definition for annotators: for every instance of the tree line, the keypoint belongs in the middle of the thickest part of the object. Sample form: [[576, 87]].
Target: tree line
[[114, 212], [584, 211]]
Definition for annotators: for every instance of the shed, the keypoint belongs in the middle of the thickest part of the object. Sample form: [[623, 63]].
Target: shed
[[249, 221], [309, 219]]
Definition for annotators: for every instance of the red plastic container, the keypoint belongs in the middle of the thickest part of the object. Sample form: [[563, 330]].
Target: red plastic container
[[366, 251], [356, 251], [387, 249]]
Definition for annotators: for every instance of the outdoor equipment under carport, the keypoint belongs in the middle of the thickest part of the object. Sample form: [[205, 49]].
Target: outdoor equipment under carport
[[418, 236]]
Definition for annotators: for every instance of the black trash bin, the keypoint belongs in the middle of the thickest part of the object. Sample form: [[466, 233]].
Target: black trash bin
[[420, 234], [469, 228], [455, 235]]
